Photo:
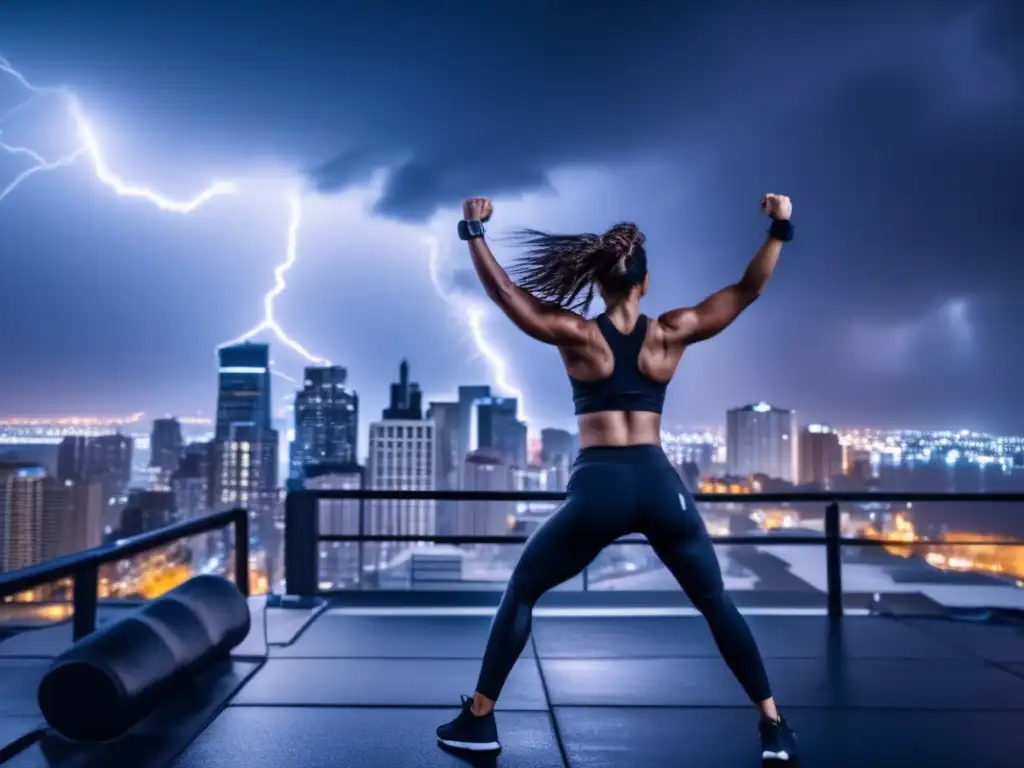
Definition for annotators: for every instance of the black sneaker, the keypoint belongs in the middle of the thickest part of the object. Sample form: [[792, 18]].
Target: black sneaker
[[778, 742], [469, 732]]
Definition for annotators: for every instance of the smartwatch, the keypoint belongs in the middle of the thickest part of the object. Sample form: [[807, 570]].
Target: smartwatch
[[471, 230]]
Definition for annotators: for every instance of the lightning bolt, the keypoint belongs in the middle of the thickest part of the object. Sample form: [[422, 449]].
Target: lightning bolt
[[269, 323], [473, 313], [89, 146]]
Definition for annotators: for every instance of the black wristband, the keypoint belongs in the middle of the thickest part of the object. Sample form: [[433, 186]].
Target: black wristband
[[781, 229], [471, 230]]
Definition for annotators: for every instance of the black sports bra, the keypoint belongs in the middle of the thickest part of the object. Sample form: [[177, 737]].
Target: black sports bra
[[627, 389]]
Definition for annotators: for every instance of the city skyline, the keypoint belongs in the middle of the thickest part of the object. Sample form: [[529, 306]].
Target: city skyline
[[877, 315]]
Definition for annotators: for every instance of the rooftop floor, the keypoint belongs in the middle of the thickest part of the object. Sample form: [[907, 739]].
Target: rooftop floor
[[366, 686]]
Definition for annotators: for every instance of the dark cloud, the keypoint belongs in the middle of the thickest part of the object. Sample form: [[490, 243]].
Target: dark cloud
[[898, 128]]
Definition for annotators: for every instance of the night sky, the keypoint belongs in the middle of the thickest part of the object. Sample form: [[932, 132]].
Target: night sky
[[896, 127]]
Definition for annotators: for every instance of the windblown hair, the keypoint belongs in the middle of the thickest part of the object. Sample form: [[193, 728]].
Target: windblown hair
[[564, 269]]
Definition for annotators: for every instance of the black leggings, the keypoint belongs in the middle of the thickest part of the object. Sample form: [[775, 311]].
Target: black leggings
[[614, 492]]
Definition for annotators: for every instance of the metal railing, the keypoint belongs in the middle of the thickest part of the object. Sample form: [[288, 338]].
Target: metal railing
[[83, 567], [303, 537]]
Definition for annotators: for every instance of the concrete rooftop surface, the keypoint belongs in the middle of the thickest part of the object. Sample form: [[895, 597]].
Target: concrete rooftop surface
[[359, 685]]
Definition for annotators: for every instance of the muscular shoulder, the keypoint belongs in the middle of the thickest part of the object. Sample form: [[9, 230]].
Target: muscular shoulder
[[673, 327]]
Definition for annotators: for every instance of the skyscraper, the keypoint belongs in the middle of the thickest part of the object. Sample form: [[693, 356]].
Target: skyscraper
[[406, 398], [326, 420], [106, 459], [558, 451], [446, 462], [21, 515], [486, 470], [761, 439], [401, 457], [245, 445], [469, 396], [340, 565], [243, 391], [499, 430], [165, 445], [821, 455]]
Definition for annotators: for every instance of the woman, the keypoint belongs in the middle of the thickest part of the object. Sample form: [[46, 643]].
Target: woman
[[619, 366]]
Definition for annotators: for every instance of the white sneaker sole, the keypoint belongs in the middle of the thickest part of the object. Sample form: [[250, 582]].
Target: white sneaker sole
[[769, 755], [472, 746]]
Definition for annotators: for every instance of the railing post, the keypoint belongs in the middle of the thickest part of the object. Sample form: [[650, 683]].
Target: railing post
[[834, 561], [83, 601], [242, 551], [586, 579], [301, 544]]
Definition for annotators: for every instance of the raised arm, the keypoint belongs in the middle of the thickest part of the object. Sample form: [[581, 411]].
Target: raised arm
[[689, 325], [545, 322]]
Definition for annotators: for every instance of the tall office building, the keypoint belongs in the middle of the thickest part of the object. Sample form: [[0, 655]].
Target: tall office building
[[406, 398], [245, 446], [821, 455], [340, 566], [326, 420], [146, 511], [402, 458], [499, 430], [243, 388], [761, 439], [446, 431], [468, 397], [446, 462], [558, 450], [486, 470], [80, 508], [26, 530], [165, 445], [106, 459], [193, 487]]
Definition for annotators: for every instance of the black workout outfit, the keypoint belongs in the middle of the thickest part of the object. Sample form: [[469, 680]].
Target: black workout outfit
[[615, 491]]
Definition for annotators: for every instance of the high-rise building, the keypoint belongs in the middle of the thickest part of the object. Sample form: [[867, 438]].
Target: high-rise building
[[340, 565], [192, 486], [499, 430], [246, 461], [21, 515], [446, 462], [243, 391], [469, 396], [146, 511], [401, 458], [79, 508], [406, 399], [557, 453], [821, 455], [106, 459], [245, 446], [761, 439], [165, 445], [446, 432], [487, 469], [326, 420]]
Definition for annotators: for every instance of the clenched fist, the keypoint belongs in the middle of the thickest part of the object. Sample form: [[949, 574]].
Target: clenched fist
[[778, 207], [477, 209]]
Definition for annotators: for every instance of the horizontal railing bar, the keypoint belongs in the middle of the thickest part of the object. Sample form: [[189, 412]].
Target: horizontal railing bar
[[738, 540], [708, 498], [63, 567]]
